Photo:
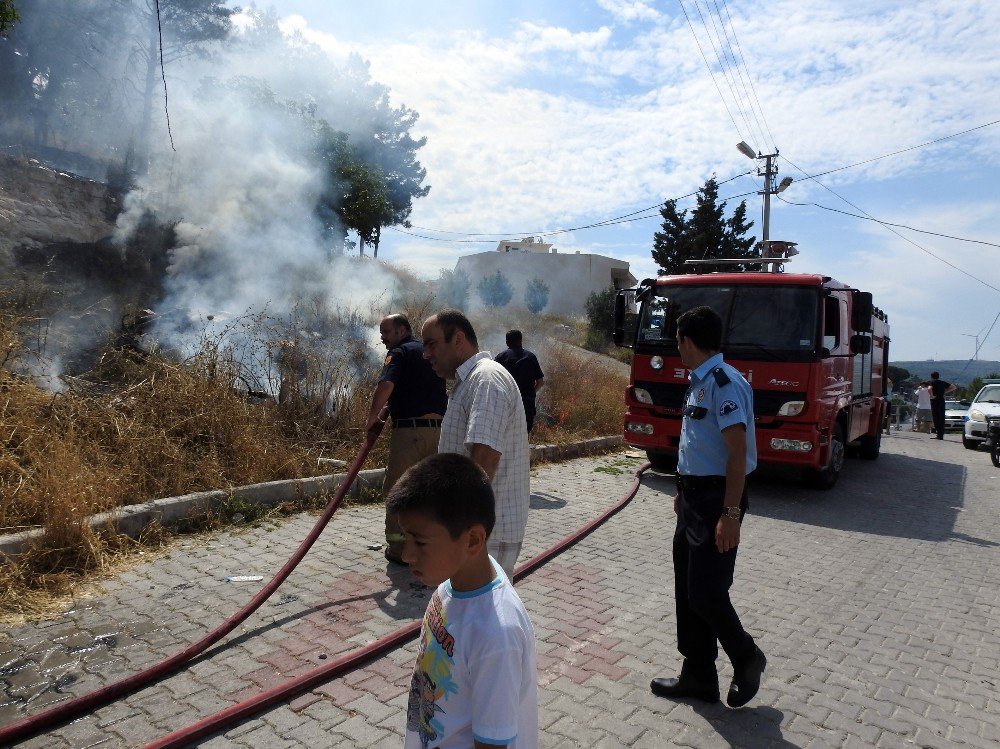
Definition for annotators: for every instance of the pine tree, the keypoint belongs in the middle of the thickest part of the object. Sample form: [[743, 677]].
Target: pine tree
[[703, 235]]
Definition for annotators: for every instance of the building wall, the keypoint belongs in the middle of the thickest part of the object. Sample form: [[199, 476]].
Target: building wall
[[571, 277]]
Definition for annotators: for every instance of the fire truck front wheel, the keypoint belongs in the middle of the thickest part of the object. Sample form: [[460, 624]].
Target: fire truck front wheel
[[662, 461], [826, 477]]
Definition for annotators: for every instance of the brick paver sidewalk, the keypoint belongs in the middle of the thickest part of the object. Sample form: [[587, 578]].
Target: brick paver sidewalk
[[876, 602]]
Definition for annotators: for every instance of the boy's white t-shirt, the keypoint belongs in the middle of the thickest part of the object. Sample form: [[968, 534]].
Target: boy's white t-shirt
[[475, 675]]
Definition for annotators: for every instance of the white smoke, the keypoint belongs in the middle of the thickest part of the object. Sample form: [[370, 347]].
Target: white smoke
[[242, 187]]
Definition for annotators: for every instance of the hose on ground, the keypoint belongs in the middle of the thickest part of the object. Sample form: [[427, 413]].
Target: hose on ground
[[350, 661], [34, 724]]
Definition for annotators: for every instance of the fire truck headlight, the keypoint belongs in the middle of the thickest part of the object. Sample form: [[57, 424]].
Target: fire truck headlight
[[638, 428], [642, 396], [975, 415], [799, 446], [656, 362], [792, 408]]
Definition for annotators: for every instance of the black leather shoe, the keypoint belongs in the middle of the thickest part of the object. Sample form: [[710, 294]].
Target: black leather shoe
[[685, 686], [746, 680]]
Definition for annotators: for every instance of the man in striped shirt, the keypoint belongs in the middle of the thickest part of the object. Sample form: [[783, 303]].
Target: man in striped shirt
[[484, 421]]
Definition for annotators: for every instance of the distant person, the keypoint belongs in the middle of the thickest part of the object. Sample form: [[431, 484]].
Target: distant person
[[888, 406], [717, 451], [524, 368], [417, 401], [939, 389], [485, 421], [923, 417], [475, 678]]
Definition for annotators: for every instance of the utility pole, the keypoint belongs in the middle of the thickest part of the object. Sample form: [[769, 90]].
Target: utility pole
[[975, 356], [768, 170]]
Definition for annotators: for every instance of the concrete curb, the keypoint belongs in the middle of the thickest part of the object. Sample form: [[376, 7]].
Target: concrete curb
[[133, 519]]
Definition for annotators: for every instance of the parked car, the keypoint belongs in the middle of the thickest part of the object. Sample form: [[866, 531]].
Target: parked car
[[986, 403], [955, 414]]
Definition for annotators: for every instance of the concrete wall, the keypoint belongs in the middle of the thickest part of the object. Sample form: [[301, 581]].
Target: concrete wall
[[571, 277]]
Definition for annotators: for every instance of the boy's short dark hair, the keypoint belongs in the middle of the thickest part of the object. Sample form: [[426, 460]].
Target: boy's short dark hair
[[449, 488], [450, 320], [514, 338], [703, 326]]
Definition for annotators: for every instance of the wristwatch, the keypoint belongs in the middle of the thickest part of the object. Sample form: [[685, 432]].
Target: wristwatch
[[731, 512]]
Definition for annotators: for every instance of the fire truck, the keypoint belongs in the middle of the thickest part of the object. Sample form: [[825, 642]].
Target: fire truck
[[814, 350]]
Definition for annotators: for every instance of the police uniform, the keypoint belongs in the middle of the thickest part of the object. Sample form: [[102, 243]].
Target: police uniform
[[719, 397], [416, 404]]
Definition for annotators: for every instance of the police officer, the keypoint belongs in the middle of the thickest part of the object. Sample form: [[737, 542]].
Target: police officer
[[717, 451], [417, 401]]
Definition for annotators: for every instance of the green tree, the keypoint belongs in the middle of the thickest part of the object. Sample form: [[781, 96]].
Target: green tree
[[8, 15], [536, 295], [969, 391], [453, 287], [495, 290], [188, 29], [600, 308], [703, 235]]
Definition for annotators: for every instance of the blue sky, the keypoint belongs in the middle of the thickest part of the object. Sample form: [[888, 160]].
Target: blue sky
[[542, 116]]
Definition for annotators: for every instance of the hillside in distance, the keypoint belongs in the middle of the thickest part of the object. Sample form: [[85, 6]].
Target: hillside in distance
[[958, 371]]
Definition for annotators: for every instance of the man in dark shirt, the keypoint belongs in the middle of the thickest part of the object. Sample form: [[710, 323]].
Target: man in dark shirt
[[417, 401], [523, 366], [939, 389]]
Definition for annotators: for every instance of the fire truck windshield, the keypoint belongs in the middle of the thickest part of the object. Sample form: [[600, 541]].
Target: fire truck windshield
[[778, 322]]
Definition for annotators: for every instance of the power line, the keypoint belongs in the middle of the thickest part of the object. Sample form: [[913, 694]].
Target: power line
[[625, 218], [727, 47], [722, 65], [979, 347], [709, 68], [749, 77], [905, 239], [889, 223], [904, 150]]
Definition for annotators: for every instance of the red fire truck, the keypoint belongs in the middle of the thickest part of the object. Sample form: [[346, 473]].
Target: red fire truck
[[815, 351]]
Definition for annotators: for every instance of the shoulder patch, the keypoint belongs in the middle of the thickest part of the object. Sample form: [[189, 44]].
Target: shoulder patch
[[728, 407], [721, 378], [388, 359]]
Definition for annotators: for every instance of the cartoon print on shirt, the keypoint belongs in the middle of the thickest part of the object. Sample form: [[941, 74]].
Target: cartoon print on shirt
[[728, 407], [432, 676]]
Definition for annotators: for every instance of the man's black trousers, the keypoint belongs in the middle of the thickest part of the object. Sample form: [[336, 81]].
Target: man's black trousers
[[937, 413], [702, 579]]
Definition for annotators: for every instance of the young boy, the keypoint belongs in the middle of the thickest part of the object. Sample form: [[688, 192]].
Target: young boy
[[474, 683]]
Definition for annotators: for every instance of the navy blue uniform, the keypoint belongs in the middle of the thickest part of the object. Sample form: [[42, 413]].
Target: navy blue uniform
[[524, 368], [719, 397], [416, 390]]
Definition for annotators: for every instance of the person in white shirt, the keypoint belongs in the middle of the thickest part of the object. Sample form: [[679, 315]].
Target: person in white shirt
[[475, 679], [922, 421], [484, 421]]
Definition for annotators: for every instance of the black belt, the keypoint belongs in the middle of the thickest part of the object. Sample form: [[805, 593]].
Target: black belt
[[700, 482], [405, 423]]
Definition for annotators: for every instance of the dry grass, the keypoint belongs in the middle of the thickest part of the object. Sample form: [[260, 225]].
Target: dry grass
[[140, 427]]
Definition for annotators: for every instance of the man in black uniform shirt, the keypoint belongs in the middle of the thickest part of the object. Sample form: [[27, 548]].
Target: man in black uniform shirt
[[417, 400], [939, 389], [523, 367]]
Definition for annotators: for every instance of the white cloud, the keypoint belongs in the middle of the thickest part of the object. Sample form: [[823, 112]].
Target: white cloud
[[537, 126]]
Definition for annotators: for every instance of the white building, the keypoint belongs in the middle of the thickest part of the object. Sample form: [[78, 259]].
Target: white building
[[571, 277]]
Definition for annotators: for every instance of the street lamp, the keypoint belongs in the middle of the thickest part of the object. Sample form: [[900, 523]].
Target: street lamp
[[975, 356], [768, 173]]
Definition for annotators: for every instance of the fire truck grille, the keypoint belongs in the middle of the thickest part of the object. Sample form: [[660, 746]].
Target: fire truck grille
[[765, 402]]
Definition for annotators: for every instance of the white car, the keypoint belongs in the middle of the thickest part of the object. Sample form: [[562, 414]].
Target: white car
[[986, 403]]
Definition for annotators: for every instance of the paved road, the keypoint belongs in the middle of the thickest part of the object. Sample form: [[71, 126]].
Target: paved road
[[877, 604]]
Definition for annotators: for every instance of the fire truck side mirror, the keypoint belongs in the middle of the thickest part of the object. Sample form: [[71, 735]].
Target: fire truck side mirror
[[861, 344], [862, 310], [625, 321]]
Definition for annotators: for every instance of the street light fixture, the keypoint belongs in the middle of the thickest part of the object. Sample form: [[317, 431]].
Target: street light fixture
[[746, 150], [768, 173]]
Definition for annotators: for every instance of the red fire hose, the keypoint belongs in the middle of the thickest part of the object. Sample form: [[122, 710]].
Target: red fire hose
[[34, 724], [249, 707]]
